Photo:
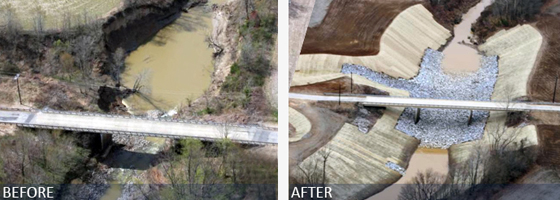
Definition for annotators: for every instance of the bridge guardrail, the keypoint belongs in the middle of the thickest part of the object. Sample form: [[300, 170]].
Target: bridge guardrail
[[17, 109], [136, 133], [159, 119], [409, 97]]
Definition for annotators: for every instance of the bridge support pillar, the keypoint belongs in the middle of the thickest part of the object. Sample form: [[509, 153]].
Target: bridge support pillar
[[470, 118], [106, 140], [417, 116]]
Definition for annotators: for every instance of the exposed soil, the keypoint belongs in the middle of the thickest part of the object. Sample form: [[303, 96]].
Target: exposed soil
[[549, 141], [343, 85], [324, 126], [541, 83], [328, 117], [353, 27]]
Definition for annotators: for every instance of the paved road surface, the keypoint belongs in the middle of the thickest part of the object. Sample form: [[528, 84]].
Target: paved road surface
[[136, 126], [373, 100]]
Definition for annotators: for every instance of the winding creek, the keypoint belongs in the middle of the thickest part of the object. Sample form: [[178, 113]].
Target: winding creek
[[458, 58], [175, 65], [461, 55]]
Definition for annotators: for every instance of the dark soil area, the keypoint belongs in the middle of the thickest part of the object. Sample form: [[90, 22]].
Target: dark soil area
[[541, 85], [344, 85], [353, 27], [324, 126], [549, 141]]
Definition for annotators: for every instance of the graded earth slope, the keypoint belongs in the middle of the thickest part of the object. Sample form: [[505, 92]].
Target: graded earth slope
[[56, 12], [358, 158], [300, 123], [349, 27], [518, 50], [401, 48]]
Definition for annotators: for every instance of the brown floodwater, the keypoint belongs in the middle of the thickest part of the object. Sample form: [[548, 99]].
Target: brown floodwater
[[460, 57], [176, 64], [422, 160]]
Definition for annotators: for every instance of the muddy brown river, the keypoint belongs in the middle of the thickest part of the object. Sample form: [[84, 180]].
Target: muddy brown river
[[461, 57], [422, 160], [176, 64]]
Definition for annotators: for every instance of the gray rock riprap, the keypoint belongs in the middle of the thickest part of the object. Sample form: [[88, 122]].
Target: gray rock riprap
[[395, 167], [440, 128]]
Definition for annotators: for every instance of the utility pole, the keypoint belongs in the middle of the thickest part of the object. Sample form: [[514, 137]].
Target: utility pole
[[18, 91], [554, 94], [339, 91], [351, 83]]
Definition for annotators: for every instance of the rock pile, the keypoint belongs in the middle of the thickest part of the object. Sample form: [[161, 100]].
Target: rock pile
[[440, 128], [395, 167]]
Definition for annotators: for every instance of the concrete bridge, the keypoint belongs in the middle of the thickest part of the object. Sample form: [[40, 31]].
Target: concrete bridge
[[129, 125], [377, 100]]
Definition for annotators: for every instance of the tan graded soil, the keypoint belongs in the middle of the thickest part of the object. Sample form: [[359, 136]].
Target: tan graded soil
[[324, 126]]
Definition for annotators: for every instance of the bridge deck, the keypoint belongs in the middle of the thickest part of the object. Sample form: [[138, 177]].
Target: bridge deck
[[434, 103], [137, 126]]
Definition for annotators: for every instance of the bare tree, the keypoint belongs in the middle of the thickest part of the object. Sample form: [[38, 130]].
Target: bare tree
[[315, 172], [12, 24], [218, 49], [247, 5], [83, 50], [85, 17], [119, 64], [39, 19], [424, 186], [66, 20]]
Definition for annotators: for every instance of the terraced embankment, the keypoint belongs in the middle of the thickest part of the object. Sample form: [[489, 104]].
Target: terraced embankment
[[518, 50], [301, 124], [401, 48], [362, 158]]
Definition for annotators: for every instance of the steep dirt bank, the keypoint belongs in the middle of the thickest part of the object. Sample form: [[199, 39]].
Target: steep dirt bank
[[137, 24], [232, 45]]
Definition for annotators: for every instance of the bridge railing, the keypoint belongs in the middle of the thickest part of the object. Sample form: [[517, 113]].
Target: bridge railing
[[409, 97], [145, 134], [17, 109], [198, 122]]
